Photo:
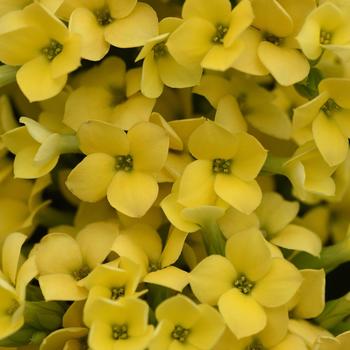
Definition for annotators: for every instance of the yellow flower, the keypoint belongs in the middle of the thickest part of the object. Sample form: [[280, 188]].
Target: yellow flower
[[114, 98], [125, 163], [9, 6], [160, 68], [119, 325], [125, 23], [59, 274], [184, 325], [274, 218], [325, 28], [326, 117], [210, 34], [14, 278], [247, 280], [70, 338], [143, 245], [271, 45], [46, 57], [226, 166], [240, 101]]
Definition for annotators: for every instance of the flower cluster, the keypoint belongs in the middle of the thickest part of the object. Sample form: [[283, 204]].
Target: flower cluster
[[174, 175]]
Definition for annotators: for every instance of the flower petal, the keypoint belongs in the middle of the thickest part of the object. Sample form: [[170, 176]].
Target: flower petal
[[90, 179], [275, 59], [214, 271], [170, 277], [279, 285], [242, 314], [151, 84], [124, 33], [244, 196], [331, 142], [215, 11], [121, 8], [249, 253], [132, 193]]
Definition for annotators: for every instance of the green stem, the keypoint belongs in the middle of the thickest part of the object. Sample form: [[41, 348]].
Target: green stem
[[274, 164], [341, 327], [69, 144], [7, 75], [213, 238]]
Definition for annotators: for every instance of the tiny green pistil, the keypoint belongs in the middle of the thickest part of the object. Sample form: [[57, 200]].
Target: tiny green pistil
[[221, 31], [221, 166], [273, 39], [81, 273], [330, 106], [180, 333], [103, 16], [125, 163], [116, 293], [243, 284], [153, 266], [120, 332], [255, 345], [160, 50], [52, 50], [325, 37]]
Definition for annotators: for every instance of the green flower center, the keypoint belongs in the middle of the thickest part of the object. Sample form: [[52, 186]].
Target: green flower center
[[255, 345], [153, 266], [221, 166], [125, 163], [273, 39], [52, 50], [116, 293], [243, 284], [103, 16], [221, 31], [120, 332], [180, 333], [330, 106], [81, 273], [160, 50], [325, 37], [14, 305]]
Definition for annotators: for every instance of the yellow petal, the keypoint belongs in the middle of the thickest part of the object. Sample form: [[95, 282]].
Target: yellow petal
[[173, 247], [338, 89], [279, 285], [175, 75], [291, 341], [197, 184], [189, 43], [281, 25], [249, 158], [248, 317], [36, 81], [99, 137], [331, 142], [275, 213], [135, 109], [220, 57], [93, 44], [210, 141], [83, 182], [216, 271], [311, 295], [298, 238], [60, 286], [244, 196], [11, 252], [170, 277], [249, 253], [276, 58], [87, 103], [207, 330], [94, 250], [151, 84], [148, 146], [123, 33], [215, 11], [132, 193], [57, 339], [121, 8]]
